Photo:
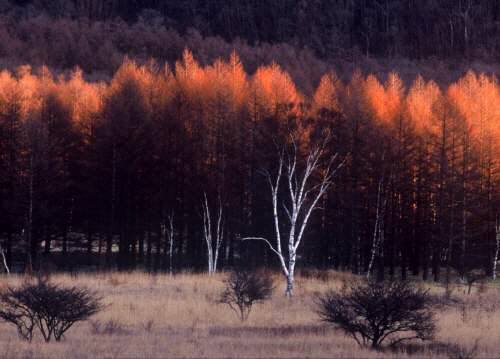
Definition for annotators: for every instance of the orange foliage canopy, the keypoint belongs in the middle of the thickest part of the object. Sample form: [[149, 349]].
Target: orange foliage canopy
[[224, 87]]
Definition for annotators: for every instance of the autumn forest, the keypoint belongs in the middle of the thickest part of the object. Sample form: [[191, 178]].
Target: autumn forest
[[249, 179], [114, 174]]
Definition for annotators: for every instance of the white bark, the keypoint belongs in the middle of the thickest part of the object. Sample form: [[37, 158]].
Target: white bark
[[497, 249], [302, 197], [378, 234], [29, 238], [170, 235], [212, 239], [4, 260]]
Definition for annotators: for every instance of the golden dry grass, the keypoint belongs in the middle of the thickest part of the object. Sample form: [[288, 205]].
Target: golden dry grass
[[157, 316]]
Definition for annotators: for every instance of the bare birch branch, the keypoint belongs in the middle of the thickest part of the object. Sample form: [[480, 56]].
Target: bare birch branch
[[4, 260], [280, 255]]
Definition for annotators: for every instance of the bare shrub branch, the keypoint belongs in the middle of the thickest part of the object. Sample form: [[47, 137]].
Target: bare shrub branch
[[51, 308], [243, 289], [373, 312]]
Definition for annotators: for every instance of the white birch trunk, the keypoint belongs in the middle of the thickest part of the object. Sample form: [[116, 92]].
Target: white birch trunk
[[29, 229], [290, 279], [497, 249], [375, 243], [171, 243], [302, 198], [378, 234], [212, 253], [4, 260]]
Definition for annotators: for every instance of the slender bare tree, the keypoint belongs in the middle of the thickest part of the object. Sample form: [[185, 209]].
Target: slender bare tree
[[170, 236], [497, 248], [303, 199], [4, 260], [213, 236], [378, 231]]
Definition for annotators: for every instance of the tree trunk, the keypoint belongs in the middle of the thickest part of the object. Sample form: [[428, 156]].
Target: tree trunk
[[159, 236], [149, 246], [109, 239], [48, 240], [141, 248], [65, 241], [425, 262], [29, 226], [109, 245], [497, 249], [290, 278], [89, 245], [8, 253], [436, 265]]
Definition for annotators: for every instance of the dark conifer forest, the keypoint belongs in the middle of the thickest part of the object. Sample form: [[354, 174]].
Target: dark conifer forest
[[132, 132]]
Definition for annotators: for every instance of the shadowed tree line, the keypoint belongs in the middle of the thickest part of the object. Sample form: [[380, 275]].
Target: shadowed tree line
[[329, 27], [440, 40], [115, 174]]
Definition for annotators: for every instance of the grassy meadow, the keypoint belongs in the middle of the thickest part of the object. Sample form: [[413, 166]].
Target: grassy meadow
[[159, 316]]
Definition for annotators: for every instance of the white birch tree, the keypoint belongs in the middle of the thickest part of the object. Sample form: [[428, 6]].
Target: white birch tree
[[497, 248], [170, 236], [302, 198], [4, 260], [213, 236], [378, 231]]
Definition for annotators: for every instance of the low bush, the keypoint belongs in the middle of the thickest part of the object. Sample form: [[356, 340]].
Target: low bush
[[51, 308], [244, 289], [372, 312]]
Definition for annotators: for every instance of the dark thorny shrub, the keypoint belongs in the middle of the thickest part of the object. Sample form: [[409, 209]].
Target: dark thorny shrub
[[51, 308], [372, 312], [243, 289]]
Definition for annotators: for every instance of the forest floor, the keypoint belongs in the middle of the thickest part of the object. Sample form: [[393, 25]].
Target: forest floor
[[158, 316]]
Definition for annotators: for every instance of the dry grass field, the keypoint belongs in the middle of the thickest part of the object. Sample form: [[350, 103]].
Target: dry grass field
[[157, 316]]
